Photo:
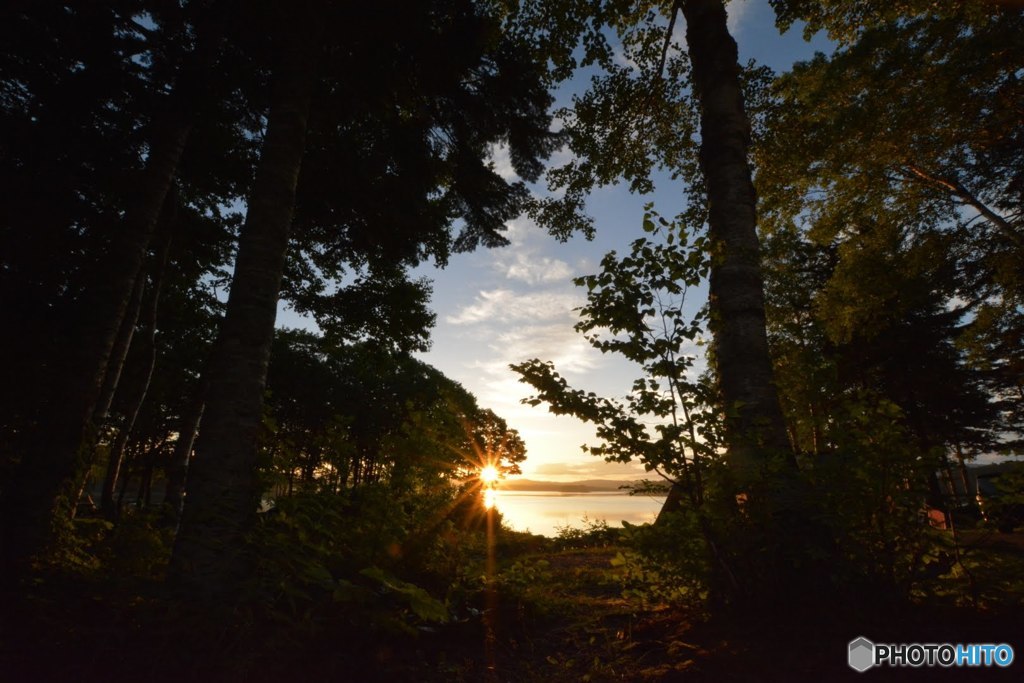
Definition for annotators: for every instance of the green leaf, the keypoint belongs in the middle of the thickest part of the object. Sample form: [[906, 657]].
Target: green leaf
[[423, 605]]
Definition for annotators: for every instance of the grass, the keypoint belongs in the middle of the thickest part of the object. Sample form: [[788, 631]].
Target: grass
[[573, 623], [553, 611]]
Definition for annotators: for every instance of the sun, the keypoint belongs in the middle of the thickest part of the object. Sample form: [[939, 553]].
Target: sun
[[489, 474]]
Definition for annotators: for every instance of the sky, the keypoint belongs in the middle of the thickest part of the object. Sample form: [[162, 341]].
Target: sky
[[507, 305], [501, 306]]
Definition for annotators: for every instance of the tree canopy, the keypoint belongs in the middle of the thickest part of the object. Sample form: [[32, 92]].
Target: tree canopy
[[176, 466]]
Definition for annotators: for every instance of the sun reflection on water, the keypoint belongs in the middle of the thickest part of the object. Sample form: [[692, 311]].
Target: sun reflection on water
[[490, 498]]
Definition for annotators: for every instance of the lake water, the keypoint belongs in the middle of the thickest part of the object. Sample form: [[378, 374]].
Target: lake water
[[542, 512]]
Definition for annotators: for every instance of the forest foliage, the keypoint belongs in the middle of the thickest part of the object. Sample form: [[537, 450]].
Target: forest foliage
[[178, 172]]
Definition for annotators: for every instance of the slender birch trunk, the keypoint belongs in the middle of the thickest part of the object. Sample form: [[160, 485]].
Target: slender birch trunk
[[119, 353], [40, 500], [139, 386], [177, 471]]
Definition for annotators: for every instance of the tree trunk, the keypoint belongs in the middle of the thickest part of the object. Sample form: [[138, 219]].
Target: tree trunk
[[754, 421], [759, 454], [144, 498], [119, 353], [126, 479], [139, 386], [970, 494], [222, 488], [673, 502], [958, 190], [40, 499], [177, 471]]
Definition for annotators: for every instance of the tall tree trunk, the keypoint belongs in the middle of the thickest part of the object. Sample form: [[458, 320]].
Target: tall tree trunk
[[126, 478], [759, 452], [40, 499], [754, 421], [146, 357], [177, 470], [222, 487], [970, 495], [144, 498], [119, 353], [181, 457]]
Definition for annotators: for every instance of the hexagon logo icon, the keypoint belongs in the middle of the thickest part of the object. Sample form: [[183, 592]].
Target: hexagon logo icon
[[862, 654]]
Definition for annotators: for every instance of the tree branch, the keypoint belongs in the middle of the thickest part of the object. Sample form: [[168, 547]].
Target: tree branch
[[674, 12], [957, 189]]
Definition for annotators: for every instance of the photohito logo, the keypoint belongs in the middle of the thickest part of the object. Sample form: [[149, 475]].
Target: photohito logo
[[863, 654]]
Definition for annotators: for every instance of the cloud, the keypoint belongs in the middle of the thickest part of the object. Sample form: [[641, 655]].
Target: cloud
[[499, 388], [563, 155], [559, 343], [528, 268], [738, 11], [523, 260], [507, 306], [500, 158], [620, 57], [517, 232]]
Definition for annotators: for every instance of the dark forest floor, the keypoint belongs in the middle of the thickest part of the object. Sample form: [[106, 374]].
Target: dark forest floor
[[584, 630], [553, 616]]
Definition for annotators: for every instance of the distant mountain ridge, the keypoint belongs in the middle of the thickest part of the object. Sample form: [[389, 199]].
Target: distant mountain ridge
[[582, 486]]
